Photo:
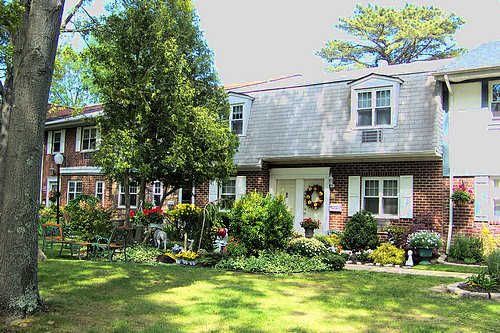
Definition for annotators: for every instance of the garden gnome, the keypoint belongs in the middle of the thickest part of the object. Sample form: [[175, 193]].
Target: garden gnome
[[409, 262], [221, 241]]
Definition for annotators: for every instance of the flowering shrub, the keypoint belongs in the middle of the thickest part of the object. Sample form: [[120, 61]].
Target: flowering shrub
[[309, 223], [424, 239], [461, 195], [187, 255], [147, 216], [187, 218], [236, 248], [308, 247]]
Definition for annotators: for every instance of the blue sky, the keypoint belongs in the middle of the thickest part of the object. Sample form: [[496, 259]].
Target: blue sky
[[262, 39]]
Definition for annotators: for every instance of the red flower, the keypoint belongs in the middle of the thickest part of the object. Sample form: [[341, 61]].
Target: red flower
[[132, 213]]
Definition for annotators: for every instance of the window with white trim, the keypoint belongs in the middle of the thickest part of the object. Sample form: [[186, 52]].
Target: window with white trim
[[496, 197], [74, 189], [133, 195], [237, 119], [89, 138], [99, 191], [228, 193], [381, 196], [495, 100], [373, 107], [157, 192]]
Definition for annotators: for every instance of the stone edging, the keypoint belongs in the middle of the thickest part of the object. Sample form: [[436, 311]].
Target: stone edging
[[442, 260], [454, 289]]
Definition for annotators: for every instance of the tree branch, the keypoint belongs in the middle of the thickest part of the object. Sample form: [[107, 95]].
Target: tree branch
[[71, 13]]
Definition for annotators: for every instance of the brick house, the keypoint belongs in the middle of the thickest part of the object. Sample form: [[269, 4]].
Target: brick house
[[472, 128], [371, 138], [75, 135]]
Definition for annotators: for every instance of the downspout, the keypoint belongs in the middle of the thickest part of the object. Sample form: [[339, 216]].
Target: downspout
[[450, 202]]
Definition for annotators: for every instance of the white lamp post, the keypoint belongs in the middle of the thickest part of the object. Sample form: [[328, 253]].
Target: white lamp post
[[58, 159]]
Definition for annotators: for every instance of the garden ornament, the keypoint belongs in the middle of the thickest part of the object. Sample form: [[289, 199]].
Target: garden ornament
[[409, 262], [160, 237], [221, 241], [176, 249]]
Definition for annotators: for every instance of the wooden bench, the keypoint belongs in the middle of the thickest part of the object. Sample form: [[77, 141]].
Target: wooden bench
[[52, 233], [116, 242]]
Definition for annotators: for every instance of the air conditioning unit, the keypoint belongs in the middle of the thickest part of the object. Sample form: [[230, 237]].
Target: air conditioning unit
[[371, 136]]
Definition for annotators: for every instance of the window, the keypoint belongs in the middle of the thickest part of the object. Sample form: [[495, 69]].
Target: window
[[99, 191], [133, 195], [496, 197], [186, 195], [237, 119], [228, 193], [381, 196], [55, 142], [74, 189], [89, 138], [157, 192], [495, 100], [373, 107]]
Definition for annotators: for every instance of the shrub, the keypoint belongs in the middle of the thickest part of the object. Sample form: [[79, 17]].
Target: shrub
[[308, 247], [467, 248], [86, 217], [483, 281], [261, 222], [210, 259], [277, 263], [490, 242], [397, 235], [236, 248], [329, 241], [360, 232], [493, 265], [388, 254], [334, 261], [363, 256], [140, 254], [186, 218]]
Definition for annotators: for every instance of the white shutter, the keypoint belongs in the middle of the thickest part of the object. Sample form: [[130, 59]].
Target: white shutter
[[49, 143], [78, 139], [481, 199], [213, 189], [406, 197], [241, 186], [63, 136], [354, 200]]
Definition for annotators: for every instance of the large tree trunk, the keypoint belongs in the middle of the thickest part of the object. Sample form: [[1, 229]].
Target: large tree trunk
[[24, 108]]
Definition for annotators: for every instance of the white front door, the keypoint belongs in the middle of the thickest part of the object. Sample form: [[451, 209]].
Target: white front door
[[316, 214], [51, 186], [287, 187]]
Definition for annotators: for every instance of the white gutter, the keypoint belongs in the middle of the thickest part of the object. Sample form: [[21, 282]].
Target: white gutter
[[450, 203]]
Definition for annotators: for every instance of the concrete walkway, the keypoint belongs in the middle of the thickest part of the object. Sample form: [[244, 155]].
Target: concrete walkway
[[409, 271]]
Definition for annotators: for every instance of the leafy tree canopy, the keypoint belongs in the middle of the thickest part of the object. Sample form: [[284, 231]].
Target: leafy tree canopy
[[71, 83], [396, 36], [162, 99]]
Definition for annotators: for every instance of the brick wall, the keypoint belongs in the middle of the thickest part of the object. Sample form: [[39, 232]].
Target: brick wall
[[463, 216], [427, 187]]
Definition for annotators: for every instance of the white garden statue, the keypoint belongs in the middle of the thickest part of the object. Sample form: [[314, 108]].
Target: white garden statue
[[409, 262]]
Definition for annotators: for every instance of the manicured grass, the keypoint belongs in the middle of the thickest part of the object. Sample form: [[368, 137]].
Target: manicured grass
[[85, 296], [449, 268]]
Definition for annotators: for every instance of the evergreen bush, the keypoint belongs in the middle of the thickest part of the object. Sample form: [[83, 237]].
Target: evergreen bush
[[388, 254], [360, 232]]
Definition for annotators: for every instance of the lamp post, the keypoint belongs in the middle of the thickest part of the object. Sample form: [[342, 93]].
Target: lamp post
[[58, 159]]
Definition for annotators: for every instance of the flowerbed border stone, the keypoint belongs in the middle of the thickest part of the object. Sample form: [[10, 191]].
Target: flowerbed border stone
[[455, 289]]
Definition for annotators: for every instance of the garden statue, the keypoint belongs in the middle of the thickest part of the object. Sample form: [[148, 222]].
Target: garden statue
[[409, 262], [176, 249], [160, 237], [221, 240], [190, 244]]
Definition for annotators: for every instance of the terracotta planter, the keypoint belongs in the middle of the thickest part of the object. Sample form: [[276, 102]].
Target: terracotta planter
[[309, 232]]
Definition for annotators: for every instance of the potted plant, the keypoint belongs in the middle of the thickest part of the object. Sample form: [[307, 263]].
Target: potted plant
[[424, 241], [309, 225], [461, 196]]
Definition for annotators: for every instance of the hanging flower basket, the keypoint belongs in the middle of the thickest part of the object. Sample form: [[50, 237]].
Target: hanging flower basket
[[461, 196], [308, 197]]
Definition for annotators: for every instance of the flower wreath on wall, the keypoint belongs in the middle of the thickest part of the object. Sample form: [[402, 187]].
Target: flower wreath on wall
[[316, 204]]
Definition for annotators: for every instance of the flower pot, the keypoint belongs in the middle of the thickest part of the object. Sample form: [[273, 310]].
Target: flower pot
[[309, 232], [425, 254], [460, 203]]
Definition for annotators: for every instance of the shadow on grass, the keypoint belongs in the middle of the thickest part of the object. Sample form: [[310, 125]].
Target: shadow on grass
[[102, 297]]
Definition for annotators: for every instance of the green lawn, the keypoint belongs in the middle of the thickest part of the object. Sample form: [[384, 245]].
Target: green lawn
[[449, 268], [85, 296]]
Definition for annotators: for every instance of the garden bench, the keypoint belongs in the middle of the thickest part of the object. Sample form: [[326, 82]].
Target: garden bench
[[118, 241], [52, 233]]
